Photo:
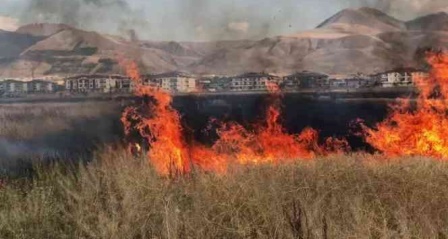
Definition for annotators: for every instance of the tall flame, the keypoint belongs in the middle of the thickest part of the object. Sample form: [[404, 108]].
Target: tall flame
[[420, 127], [160, 125]]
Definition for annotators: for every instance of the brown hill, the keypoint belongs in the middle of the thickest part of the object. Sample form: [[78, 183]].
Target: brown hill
[[433, 22], [325, 52], [13, 44], [42, 29], [354, 40], [368, 17], [73, 51]]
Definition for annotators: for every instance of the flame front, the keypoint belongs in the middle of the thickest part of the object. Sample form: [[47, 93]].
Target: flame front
[[160, 125], [420, 127], [414, 127]]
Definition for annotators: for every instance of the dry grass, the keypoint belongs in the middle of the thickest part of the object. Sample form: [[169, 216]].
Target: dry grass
[[29, 120], [39, 131], [118, 196]]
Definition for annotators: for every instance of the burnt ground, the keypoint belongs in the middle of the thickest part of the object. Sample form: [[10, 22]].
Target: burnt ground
[[85, 134]]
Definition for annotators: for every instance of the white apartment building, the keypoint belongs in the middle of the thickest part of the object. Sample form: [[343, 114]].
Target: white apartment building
[[252, 82], [405, 77], [98, 83], [175, 82]]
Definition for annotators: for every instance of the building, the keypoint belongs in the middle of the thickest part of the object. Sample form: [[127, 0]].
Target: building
[[98, 83], [174, 82], [418, 75], [214, 84], [14, 87], [400, 77], [41, 86], [252, 82], [352, 81], [305, 80]]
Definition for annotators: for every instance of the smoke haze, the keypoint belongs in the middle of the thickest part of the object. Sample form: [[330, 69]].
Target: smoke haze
[[193, 20]]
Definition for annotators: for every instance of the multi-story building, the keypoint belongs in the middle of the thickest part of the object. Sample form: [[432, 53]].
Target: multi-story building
[[98, 83], [252, 82], [305, 80], [41, 86], [21, 87], [214, 84], [174, 82], [418, 75], [352, 81], [400, 77], [14, 87]]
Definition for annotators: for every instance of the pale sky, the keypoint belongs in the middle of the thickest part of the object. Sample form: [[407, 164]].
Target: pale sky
[[199, 20]]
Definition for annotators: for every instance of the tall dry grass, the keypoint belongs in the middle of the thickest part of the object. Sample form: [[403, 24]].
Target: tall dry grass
[[118, 196], [24, 121], [31, 132]]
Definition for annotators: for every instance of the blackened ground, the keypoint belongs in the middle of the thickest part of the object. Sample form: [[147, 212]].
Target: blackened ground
[[73, 131], [332, 118]]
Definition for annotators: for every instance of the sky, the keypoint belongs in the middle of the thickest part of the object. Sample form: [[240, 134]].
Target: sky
[[199, 20]]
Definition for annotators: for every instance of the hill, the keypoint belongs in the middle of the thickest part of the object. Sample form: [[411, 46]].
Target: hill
[[13, 44], [367, 17], [433, 22], [42, 29], [353, 40]]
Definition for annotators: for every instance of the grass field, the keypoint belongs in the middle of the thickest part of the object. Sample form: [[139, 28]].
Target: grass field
[[24, 121], [31, 132], [119, 196]]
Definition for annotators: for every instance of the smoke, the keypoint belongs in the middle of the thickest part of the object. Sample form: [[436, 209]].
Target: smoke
[[405, 9], [213, 20], [8, 23], [111, 16], [242, 27], [229, 20], [11, 149], [203, 19]]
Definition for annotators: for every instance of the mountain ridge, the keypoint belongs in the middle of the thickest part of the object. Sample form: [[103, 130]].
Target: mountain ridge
[[363, 40]]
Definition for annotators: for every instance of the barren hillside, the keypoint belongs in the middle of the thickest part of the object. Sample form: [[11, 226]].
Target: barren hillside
[[353, 40]]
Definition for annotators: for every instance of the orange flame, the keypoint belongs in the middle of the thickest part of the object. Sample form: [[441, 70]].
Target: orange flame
[[158, 123], [420, 127]]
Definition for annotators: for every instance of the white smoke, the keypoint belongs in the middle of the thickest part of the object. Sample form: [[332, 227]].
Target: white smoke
[[203, 19], [8, 23], [242, 27]]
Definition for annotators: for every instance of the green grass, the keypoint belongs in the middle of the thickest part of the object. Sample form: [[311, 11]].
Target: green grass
[[119, 196]]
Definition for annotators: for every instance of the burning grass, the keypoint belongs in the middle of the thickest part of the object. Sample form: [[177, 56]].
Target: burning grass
[[119, 196], [419, 128], [407, 131], [159, 125], [250, 182]]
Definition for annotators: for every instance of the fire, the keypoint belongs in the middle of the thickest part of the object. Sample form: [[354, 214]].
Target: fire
[[138, 147], [268, 142], [420, 127], [413, 127], [159, 124]]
